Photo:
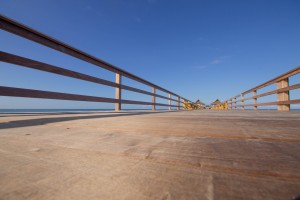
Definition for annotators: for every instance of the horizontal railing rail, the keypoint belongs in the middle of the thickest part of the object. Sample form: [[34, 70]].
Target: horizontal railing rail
[[19, 29], [21, 92], [25, 62], [282, 90]]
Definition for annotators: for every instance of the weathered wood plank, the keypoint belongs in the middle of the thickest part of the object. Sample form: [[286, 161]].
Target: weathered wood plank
[[297, 101], [150, 155]]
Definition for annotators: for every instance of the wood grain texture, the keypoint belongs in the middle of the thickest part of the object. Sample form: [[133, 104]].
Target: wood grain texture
[[208, 154]]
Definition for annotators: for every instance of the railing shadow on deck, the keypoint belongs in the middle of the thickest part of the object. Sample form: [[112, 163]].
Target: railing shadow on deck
[[28, 114], [43, 121]]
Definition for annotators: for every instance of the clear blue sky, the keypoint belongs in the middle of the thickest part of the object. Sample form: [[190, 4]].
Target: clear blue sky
[[199, 49]]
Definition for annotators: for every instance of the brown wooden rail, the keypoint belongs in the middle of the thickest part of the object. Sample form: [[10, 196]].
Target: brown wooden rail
[[19, 29], [282, 90]]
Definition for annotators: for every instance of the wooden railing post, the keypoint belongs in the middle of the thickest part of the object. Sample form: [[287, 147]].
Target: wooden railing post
[[255, 99], [118, 92], [243, 103], [153, 98], [283, 96], [170, 101], [235, 107], [178, 103]]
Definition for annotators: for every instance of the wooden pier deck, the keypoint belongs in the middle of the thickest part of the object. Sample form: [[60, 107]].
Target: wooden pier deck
[[150, 155]]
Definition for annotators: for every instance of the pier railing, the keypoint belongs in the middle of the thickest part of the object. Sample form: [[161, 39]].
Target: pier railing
[[21, 30], [282, 90]]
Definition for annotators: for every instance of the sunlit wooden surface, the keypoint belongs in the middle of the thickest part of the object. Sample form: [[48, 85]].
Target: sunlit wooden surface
[[150, 155]]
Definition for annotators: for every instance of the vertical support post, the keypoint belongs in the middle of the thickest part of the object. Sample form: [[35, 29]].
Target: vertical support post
[[178, 103], [118, 92], [153, 98], [230, 100], [235, 107], [283, 96], [243, 103], [170, 101], [255, 99]]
